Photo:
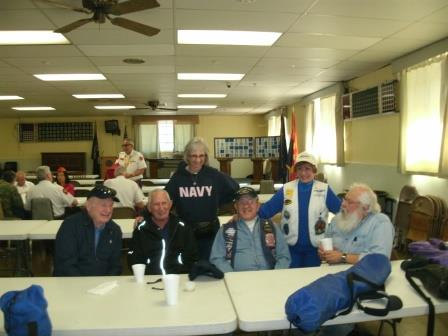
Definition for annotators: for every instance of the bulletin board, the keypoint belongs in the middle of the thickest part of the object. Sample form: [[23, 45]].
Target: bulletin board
[[235, 148], [267, 147]]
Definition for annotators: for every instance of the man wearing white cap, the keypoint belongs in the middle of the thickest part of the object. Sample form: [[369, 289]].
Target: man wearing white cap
[[304, 204], [133, 161]]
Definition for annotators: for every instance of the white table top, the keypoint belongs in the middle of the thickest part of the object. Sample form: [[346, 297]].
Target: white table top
[[256, 187], [18, 229], [158, 181], [49, 229], [87, 182], [147, 189], [131, 308], [259, 297]]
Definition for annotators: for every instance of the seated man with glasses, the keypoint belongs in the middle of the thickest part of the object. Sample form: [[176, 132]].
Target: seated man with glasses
[[88, 243], [249, 243], [359, 228]]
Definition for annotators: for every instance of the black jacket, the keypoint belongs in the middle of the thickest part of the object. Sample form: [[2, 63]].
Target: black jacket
[[147, 247], [75, 248], [197, 197]]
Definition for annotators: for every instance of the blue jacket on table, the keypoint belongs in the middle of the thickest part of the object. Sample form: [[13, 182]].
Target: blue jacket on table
[[75, 253]]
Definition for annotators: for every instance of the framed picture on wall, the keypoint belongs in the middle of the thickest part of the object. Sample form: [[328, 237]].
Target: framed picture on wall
[[235, 148], [267, 147]]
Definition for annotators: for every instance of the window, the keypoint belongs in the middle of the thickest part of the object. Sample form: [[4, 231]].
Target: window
[[163, 137], [424, 102], [165, 130], [321, 129]]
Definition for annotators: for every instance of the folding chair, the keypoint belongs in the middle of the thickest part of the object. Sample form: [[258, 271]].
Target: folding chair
[[41, 208]]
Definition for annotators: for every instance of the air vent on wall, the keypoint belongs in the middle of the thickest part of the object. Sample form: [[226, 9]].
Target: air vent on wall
[[372, 101]]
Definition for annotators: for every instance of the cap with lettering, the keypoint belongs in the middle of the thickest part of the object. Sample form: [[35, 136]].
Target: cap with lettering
[[245, 191], [103, 192]]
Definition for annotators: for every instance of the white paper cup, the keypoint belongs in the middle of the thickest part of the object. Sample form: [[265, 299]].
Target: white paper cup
[[171, 286], [139, 272], [327, 244]]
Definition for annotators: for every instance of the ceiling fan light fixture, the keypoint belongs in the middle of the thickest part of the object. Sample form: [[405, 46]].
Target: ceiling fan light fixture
[[209, 76]]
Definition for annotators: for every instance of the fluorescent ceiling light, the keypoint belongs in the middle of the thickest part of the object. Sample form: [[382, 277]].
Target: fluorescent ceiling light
[[202, 95], [196, 106], [115, 107], [17, 37], [209, 76], [70, 77], [98, 96], [227, 37], [10, 97], [33, 108]]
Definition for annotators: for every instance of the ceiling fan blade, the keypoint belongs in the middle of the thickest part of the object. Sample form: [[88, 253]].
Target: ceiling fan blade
[[68, 28], [64, 5], [133, 6], [166, 109], [135, 26]]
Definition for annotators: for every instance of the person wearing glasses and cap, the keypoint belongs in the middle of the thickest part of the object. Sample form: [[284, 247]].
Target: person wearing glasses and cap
[[88, 243], [133, 161], [248, 242], [304, 204]]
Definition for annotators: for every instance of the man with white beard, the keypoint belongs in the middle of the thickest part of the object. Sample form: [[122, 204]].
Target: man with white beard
[[359, 228]]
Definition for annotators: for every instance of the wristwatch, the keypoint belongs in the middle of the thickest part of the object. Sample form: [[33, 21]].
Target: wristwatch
[[344, 258]]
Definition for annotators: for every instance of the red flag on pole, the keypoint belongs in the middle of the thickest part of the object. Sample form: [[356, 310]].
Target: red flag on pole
[[293, 149]]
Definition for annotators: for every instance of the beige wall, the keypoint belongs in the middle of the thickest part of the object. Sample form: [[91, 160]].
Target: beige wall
[[211, 127]]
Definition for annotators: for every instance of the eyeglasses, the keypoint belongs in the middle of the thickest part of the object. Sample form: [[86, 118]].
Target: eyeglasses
[[350, 201]]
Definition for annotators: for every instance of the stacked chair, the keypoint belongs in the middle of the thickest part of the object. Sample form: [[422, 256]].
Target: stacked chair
[[407, 195]]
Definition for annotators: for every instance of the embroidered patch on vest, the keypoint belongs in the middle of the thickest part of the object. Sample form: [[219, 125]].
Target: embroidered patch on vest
[[287, 202]]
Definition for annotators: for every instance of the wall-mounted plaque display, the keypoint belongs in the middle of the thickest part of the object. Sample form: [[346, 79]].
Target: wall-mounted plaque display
[[267, 147], [234, 148]]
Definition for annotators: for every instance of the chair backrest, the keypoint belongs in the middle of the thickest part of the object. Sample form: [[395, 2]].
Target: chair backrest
[[2, 215], [75, 183], [123, 212], [267, 187], [421, 219], [41, 208], [147, 183]]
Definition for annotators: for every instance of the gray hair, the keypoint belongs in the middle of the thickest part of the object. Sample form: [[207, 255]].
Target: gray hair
[[42, 173], [158, 190], [367, 197], [196, 143], [119, 171]]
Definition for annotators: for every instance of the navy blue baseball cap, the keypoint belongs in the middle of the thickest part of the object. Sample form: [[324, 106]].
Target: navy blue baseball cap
[[103, 192]]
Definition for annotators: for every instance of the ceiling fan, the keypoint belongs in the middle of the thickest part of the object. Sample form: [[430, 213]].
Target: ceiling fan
[[102, 9], [155, 105]]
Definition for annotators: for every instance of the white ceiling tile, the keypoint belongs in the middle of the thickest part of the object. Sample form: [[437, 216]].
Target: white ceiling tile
[[39, 51], [16, 4], [132, 69], [291, 6], [24, 19], [430, 32], [126, 37], [348, 26], [385, 9], [319, 53], [325, 41], [232, 20], [220, 51], [127, 50]]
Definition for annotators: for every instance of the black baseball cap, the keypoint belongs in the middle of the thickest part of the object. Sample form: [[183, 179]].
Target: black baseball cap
[[103, 192], [245, 191]]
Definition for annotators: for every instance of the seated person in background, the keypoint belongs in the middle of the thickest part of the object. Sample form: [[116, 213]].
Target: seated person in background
[[359, 228], [10, 200], [128, 191], [89, 242], [46, 189], [64, 181], [249, 243], [161, 240], [23, 186], [133, 161]]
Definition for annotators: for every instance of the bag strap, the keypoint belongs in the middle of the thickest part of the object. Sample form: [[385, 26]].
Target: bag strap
[[431, 310], [393, 302]]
